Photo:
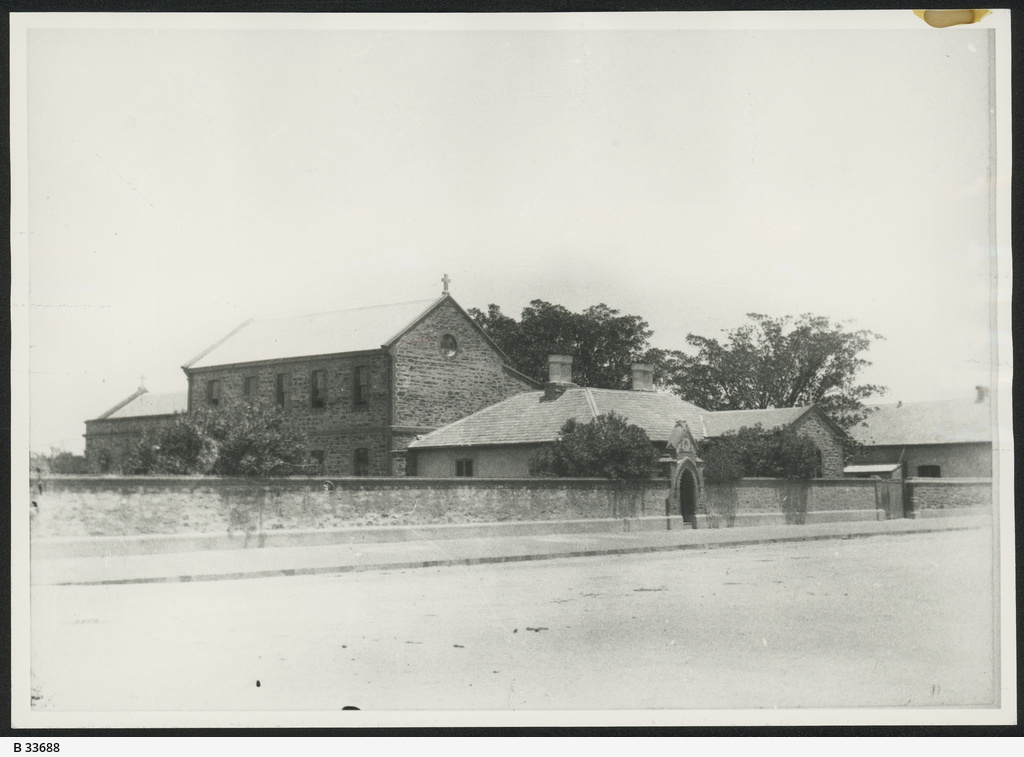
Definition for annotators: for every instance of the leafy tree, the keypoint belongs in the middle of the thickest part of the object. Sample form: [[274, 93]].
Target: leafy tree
[[58, 461], [602, 342], [606, 447], [236, 440], [777, 362], [779, 453]]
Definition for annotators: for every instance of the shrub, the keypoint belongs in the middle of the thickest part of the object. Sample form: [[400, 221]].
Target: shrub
[[779, 453], [606, 447]]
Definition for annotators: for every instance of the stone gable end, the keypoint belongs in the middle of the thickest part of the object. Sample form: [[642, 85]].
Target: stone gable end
[[434, 387], [825, 437]]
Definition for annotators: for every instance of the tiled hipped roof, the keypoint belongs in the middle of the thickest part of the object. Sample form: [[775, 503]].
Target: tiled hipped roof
[[942, 422], [528, 418]]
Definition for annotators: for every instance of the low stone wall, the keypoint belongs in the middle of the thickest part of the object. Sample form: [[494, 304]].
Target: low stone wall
[[765, 501], [926, 495], [78, 506]]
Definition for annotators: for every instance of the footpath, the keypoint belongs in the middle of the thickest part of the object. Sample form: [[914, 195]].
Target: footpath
[[213, 565]]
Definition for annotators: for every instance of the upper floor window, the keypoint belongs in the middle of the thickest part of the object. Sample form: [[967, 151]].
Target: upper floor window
[[929, 471], [464, 468], [213, 392], [249, 387], [449, 346], [361, 385], [361, 462], [281, 389], [318, 389]]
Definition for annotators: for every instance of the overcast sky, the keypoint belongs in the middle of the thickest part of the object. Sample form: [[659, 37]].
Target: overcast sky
[[183, 180]]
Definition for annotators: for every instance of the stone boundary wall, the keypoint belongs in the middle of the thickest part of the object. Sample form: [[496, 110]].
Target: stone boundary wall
[[82, 506], [926, 494], [788, 501]]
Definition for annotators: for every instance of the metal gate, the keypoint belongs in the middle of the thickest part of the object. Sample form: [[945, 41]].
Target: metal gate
[[889, 497]]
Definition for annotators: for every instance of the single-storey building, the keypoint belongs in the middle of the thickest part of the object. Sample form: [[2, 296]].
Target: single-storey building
[[944, 439], [502, 440]]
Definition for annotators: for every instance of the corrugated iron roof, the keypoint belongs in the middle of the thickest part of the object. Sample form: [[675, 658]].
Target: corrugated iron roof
[[153, 404], [526, 418], [941, 422], [339, 331], [884, 468]]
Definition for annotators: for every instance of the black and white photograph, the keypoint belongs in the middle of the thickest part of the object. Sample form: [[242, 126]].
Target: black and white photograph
[[512, 369]]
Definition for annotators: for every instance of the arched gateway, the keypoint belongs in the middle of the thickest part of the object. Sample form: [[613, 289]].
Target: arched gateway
[[687, 495]]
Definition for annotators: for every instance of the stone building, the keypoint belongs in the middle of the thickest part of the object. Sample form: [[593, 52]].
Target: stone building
[[360, 384], [943, 439], [500, 441]]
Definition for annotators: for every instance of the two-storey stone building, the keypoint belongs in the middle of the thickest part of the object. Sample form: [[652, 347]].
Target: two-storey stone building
[[361, 383]]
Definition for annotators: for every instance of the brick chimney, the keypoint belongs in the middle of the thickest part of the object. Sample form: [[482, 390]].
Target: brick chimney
[[982, 394], [559, 377], [643, 377]]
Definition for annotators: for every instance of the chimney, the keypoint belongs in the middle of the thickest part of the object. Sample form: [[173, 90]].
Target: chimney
[[982, 394], [643, 377], [559, 377]]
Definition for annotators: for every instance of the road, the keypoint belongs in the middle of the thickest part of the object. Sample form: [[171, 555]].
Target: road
[[881, 621]]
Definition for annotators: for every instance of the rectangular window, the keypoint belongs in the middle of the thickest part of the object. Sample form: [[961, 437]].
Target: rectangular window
[[213, 392], [249, 387], [281, 389], [929, 471], [464, 468], [318, 389], [361, 466], [361, 385]]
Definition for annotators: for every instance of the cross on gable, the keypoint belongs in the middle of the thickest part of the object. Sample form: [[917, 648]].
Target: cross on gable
[[445, 280]]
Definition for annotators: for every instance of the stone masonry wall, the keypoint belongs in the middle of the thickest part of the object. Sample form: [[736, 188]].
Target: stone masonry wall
[[793, 498], [76, 506], [338, 428], [431, 389], [948, 494], [825, 437]]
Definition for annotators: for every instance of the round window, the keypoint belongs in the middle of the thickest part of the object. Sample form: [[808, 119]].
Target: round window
[[449, 346]]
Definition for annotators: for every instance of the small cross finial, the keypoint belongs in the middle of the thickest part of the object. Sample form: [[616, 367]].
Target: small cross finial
[[142, 382], [445, 280]]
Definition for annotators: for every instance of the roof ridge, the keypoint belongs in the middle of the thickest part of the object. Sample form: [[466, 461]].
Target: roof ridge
[[591, 402], [345, 310]]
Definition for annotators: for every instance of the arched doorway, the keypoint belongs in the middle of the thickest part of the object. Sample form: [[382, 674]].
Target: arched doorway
[[688, 497]]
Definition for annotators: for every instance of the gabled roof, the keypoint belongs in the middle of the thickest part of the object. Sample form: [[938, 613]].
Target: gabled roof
[[142, 403], [529, 419], [354, 330], [941, 422], [724, 421]]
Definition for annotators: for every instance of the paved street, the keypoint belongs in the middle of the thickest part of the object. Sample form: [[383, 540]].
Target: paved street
[[879, 621]]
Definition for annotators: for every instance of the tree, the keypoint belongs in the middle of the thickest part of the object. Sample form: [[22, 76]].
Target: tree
[[777, 362], [606, 447], [779, 453], [58, 461], [236, 440], [602, 342]]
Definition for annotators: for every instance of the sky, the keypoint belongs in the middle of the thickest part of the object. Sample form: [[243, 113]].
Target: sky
[[182, 180]]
